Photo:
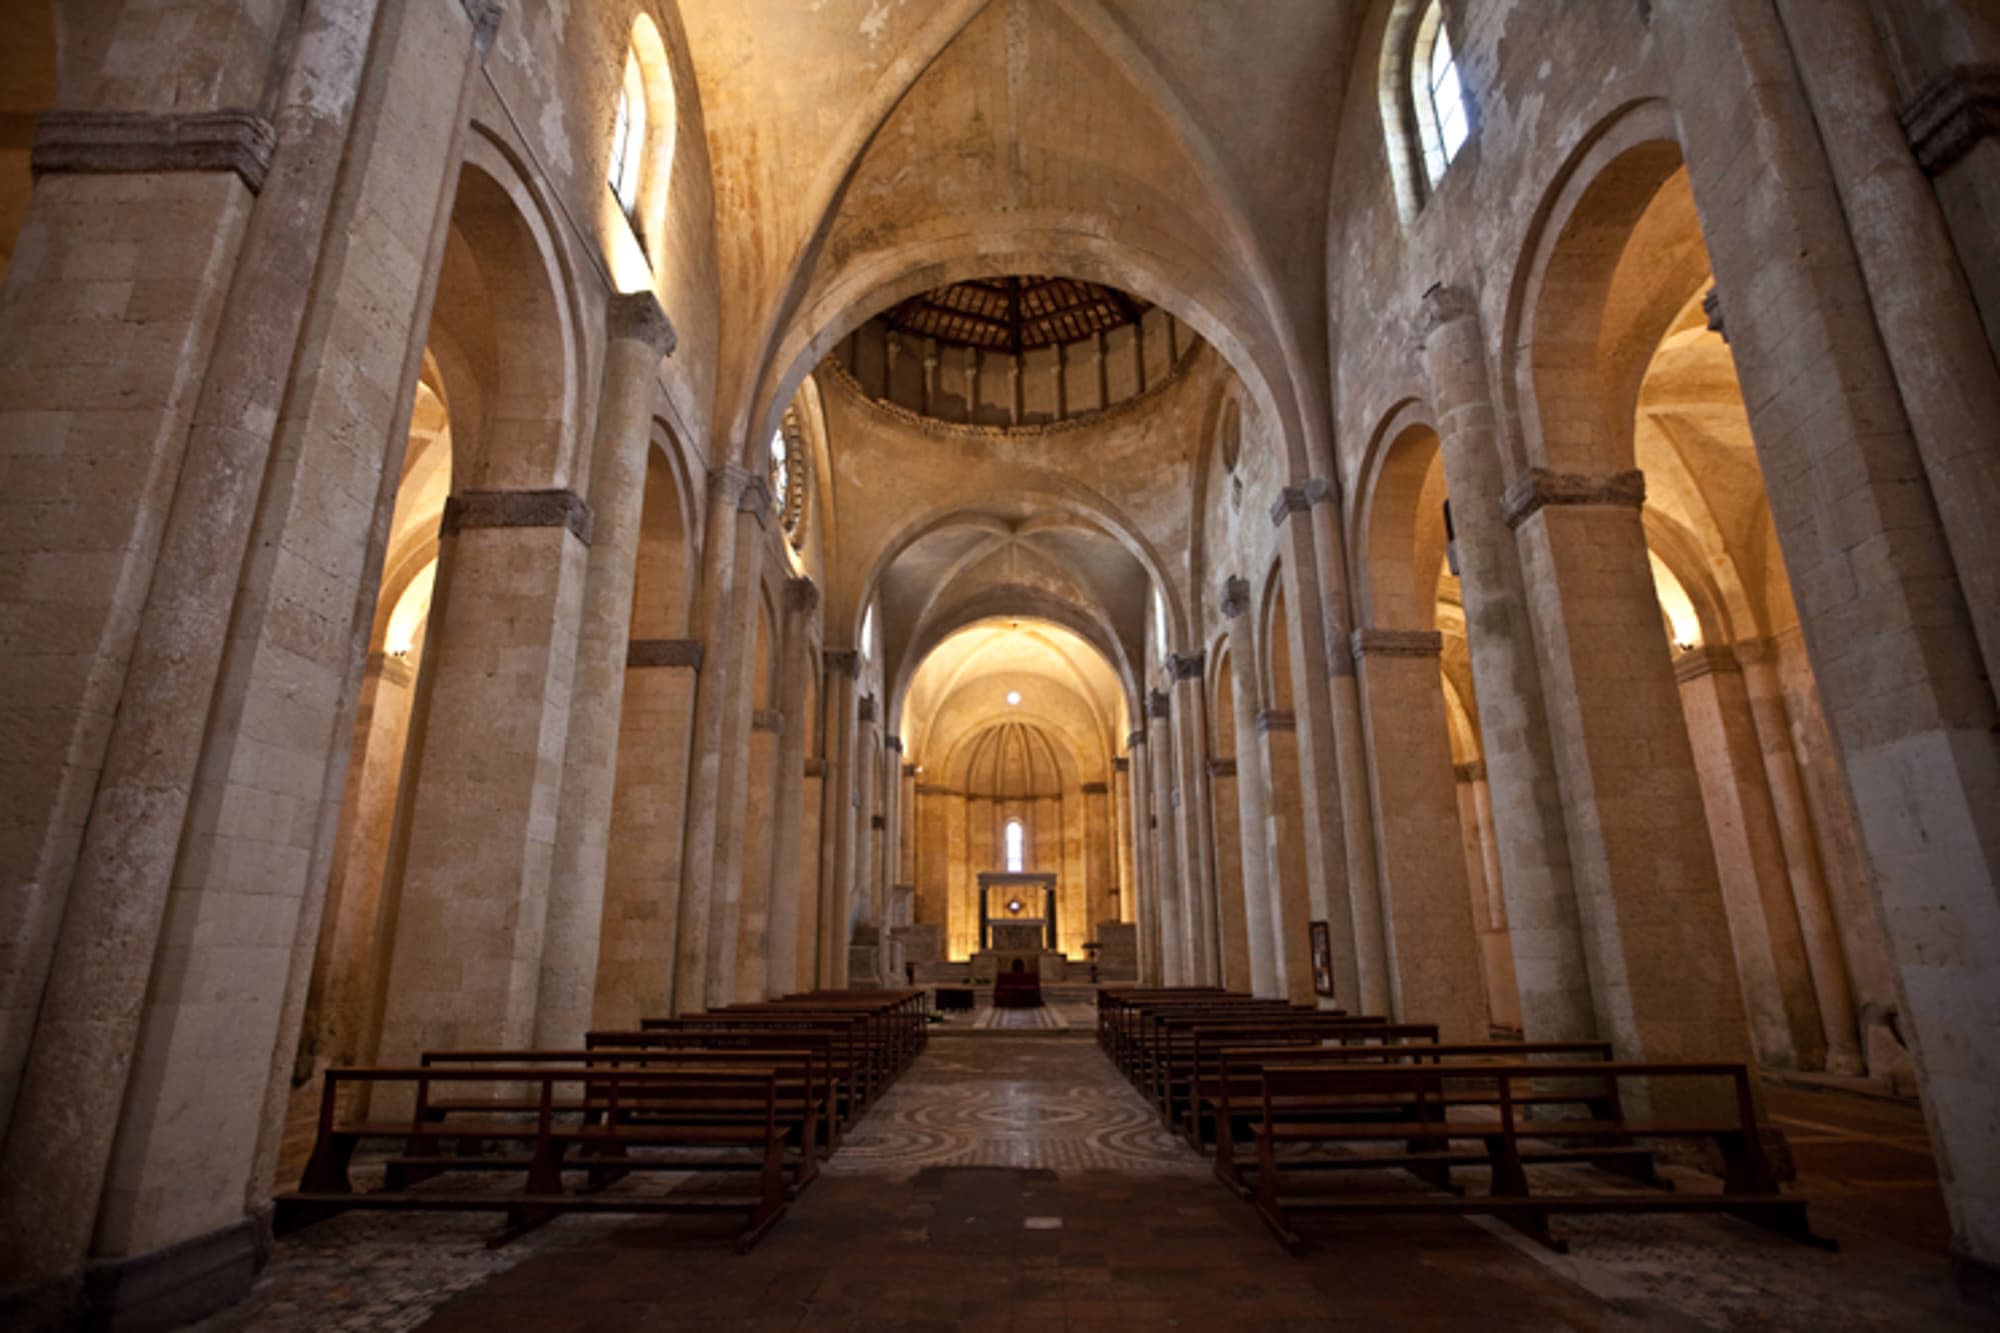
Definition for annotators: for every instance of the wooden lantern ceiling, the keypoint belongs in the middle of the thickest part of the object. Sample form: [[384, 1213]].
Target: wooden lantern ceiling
[[1015, 314]]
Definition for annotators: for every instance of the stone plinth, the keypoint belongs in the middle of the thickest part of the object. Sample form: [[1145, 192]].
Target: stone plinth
[[1118, 951], [990, 963], [921, 944], [1017, 937]]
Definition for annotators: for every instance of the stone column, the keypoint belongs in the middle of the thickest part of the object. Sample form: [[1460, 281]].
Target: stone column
[[837, 816], [727, 487], [812, 805], [1262, 939], [1352, 919], [863, 921], [1778, 996], [1176, 953], [465, 964], [759, 825], [1496, 956], [1277, 750], [1433, 951], [1886, 623], [1146, 900], [782, 973], [1098, 827], [1233, 930], [1527, 800], [1644, 870], [642, 875], [1196, 850], [1818, 927], [638, 339], [1125, 887], [1942, 355], [737, 674]]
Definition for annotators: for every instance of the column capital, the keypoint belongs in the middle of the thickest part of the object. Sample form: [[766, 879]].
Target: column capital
[[1184, 666], [1750, 652], [1948, 116], [893, 743], [485, 16], [1096, 789], [1235, 597], [637, 316], [1540, 486], [767, 719], [1297, 499], [1702, 660], [1711, 308], [1471, 772], [1136, 739], [841, 661], [1222, 768], [518, 509], [864, 709], [1120, 764], [664, 653], [109, 143], [1159, 705], [1371, 642], [1276, 719], [801, 594], [755, 500], [1443, 304]]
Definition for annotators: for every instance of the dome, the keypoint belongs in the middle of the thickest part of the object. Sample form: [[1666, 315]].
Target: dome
[[1016, 314]]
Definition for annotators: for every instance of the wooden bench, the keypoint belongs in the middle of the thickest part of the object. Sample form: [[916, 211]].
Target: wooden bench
[[1421, 1123], [612, 1114], [841, 1064], [1177, 1044]]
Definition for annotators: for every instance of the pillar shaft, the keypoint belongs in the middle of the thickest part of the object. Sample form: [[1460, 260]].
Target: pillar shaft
[[1171, 891], [736, 674], [782, 970], [1260, 891]]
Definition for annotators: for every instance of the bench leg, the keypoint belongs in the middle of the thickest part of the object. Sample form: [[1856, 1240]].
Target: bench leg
[[1510, 1181], [609, 1174], [326, 1170], [771, 1200], [1266, 1199]]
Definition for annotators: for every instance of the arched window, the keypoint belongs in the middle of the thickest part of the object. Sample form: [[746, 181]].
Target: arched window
[[628, 139], [1442, 122], [1015, 839], [867, 644]]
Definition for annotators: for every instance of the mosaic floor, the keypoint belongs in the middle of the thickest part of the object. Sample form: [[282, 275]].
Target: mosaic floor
[[1011, 1180]]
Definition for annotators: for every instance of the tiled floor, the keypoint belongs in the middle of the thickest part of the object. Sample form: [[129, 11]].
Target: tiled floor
[[1012, 1181]]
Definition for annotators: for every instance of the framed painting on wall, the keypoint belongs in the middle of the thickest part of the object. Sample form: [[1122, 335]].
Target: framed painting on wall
[[1322, 950]]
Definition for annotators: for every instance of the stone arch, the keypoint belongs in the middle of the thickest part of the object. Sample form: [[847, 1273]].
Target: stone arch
[[1274, 676], [1401, 532], [1396, 103]]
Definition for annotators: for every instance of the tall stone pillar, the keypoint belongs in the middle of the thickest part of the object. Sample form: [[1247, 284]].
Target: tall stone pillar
[[1771, 964], [863, 922], [1193, 825], [1261, 919], [1098, 828], [812, 802], [466, 958], [639, 337], [710, 623], [1818, 928], [1482, 870], [1352, 919], [1886, 622], [1434, 968], [1146, 902], [1277, 751], [1527, 800], [1644, 870], [737, 672], [782, 971], [837, 816], [1176, 934], [1124, 885]]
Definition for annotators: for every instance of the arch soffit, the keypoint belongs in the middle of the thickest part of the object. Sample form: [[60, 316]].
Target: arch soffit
[[1013, 604], [970, 746], [1398, 436], [1708, 578], [1638, 127]]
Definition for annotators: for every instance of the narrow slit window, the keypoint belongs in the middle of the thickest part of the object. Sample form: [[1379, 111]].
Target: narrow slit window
[[1443, 122], [1016, 839], [628, 139]]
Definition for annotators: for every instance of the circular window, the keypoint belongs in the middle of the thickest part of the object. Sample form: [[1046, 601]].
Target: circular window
[[1231, 441], [789, 463]]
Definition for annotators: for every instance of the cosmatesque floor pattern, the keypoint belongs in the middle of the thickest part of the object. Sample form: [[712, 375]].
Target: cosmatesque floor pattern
[[1011, 1181]]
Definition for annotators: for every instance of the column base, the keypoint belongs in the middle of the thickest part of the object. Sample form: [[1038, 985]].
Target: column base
[[160, 1290]]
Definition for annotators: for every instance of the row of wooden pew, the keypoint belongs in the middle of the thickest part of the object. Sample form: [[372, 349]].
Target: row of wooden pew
[[1315, 1095], [761, 1092]]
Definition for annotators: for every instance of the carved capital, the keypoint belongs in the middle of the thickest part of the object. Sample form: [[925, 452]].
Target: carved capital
[[1951, 114], [1711, 306], [1120, 764], [1472, 772], [105, 143], [1235, 597], [842, 661], [1702, 660], [1222, 768], [755, 500], [1298, 499], [1540, 486], [1368, 642], [802, 595], [485, 16], [1276, 719], [1159, 706], [1184, 666], [1444, 304], [637, 316], [518, 509], [893, 744], [1135, 740], [1096, 789], [767, 719], [664, 653], [864, 710]]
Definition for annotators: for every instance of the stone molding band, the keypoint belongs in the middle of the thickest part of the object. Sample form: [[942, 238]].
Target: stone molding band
[[1950, 115], [519, 509], [112, 143], [1222, 768], [767, 719], [1472, 772], [1277, 719], [637, 316], [1703, 660], [894, 743], [1368, 642], [1096, 789], [1120, 764], [1540, 486], [664, 653], [842, 661]]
